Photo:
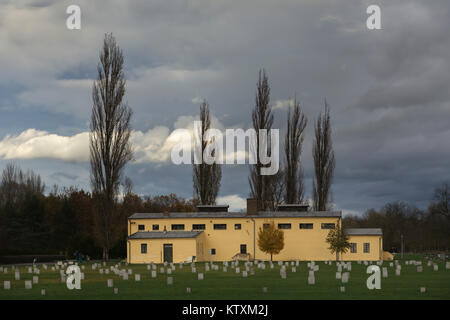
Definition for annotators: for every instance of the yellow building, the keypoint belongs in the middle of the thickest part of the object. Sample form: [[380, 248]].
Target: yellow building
[[214, 234]]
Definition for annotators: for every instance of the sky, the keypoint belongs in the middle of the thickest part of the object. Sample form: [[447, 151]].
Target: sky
[[388, 89]]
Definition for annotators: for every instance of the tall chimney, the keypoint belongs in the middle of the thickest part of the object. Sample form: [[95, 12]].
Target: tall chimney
[[252, 206]]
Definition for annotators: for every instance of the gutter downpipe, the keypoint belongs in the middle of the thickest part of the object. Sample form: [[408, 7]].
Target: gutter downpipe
[[254, 248]]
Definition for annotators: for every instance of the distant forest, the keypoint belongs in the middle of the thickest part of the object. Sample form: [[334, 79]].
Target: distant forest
[[63, 221]]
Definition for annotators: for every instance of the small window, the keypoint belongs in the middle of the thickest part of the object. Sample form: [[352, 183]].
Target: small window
[[328, 226], [366, 247], [220, 226], [306, 225], [284, 226], [212, 251], [141, 227], [237, 226], [178, 227], [198, 227], [353, 247], [155, 227], [143, 248], [266, 225]]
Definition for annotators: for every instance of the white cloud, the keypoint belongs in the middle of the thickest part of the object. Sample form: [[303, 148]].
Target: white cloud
[[153, 146], [282, 104], [235, 202], [32, 144]]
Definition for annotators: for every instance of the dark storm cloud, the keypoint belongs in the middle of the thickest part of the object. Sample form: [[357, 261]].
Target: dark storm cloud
[[388, 89]]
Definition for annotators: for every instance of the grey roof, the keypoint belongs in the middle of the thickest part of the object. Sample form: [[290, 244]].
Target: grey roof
[[262, 214], [364, 232], [164, 235]]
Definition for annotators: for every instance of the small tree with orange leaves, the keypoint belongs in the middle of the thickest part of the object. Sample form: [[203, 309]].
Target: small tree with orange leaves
[[270, 240]]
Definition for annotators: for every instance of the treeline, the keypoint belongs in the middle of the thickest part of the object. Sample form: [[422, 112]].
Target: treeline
[[63, 221], [422, 230]]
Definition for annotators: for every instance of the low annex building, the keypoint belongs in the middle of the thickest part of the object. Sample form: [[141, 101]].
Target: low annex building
[[214, 234]]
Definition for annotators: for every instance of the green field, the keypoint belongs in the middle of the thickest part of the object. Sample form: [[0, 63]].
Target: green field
[[229, 285]]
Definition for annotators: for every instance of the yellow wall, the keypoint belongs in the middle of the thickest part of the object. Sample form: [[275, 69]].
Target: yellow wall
[[376, 248], [300, 244], [182, 249]]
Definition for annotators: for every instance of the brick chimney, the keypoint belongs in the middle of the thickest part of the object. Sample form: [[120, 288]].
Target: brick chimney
[[252, 207]]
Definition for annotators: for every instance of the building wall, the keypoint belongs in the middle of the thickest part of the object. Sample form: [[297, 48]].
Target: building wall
[[300, 244], [375, 252], [182, 249]]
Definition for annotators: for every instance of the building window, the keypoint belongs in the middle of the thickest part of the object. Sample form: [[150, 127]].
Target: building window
[[366, 247], [178, 227], [237, 226], [306, 225], [266, 225], [243, 249], [328, 226], [141, 227], [284, 226], [353, 247], [212, 251], [143, 248], [220, 226], [155, 227], [198, 227]]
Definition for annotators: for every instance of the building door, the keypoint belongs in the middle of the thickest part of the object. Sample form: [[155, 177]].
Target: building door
[[243, 248], [168, 253]]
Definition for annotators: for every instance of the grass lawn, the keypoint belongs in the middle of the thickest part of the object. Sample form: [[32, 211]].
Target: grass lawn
[[229, 285]]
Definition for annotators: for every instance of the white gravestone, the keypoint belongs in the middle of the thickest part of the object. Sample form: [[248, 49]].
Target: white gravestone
[[28, 284], [169, 281], [137, 277], [200, 276], [7, 285], [110, 283], [35, 279]]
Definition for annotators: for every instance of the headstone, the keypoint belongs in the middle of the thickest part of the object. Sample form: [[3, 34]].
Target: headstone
[[169, 271], [106, 271], [294, 269], [207, 267], [342, 289], [43, 292], [169, 281], [82, 275], [17, 275], [252, 272], [397, 272], [125, 276], [447, 265], [244, 274], [345, 277], [435, 267], [311, 280], [283, 275], [137, 277], [161, 270], [422, 289], [385, 272], [224, 269], [200, 276], [338, 275], [35, 279], [153, 274], [188, 290], [238, 270], [419, 268], [116, 290], [130, 271], [110, 283], [28, 284], [7, 285], [264, 289], [148, 267], [194, 270]]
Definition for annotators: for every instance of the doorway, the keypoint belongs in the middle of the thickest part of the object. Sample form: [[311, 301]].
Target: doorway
[[168, 253]]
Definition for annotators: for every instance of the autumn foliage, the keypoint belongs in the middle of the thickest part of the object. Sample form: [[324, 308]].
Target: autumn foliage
[[270, 240]]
